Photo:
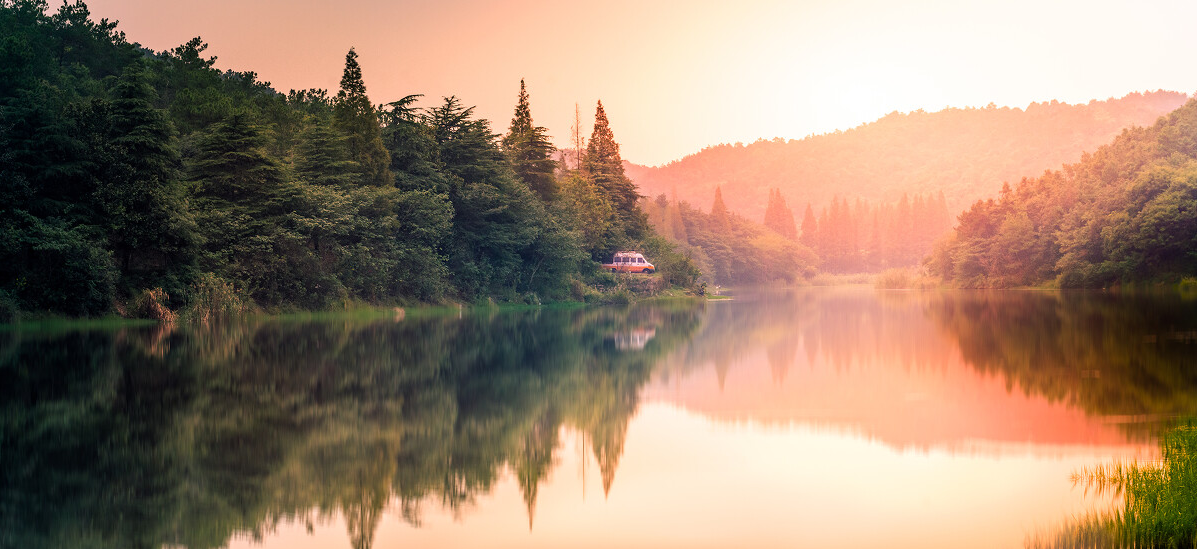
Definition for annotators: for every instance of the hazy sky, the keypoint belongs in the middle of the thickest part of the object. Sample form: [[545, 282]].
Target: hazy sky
[[675, 77]]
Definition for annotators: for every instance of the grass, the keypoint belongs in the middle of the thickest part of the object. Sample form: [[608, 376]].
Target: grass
[[1159, 500], [895, 279], [55, 323], [828, 279]]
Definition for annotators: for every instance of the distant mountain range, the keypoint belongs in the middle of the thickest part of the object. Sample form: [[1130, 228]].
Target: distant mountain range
[[965, 153]]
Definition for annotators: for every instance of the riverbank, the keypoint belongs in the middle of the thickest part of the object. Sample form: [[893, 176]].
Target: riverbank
[[622, 290]]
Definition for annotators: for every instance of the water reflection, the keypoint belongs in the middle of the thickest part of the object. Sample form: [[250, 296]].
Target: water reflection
[[139, 438], [919, 369], [195, 437]]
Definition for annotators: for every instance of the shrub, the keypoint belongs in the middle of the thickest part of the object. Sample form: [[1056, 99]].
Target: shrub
[[895, 279], [9, 312], [152, 304], [211, 297]]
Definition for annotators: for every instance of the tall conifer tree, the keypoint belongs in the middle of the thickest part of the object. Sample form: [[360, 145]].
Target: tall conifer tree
[[719, 214], [355, 116], [529, 149], [779, 217], [605, 166], [810, 228], [150, 230]]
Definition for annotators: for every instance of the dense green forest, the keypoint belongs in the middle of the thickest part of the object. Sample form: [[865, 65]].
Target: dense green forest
[[191, 435], [126, 170], [964, 153], [1126, 213]]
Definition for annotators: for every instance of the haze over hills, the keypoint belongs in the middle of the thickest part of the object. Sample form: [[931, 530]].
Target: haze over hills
[[965, 153]]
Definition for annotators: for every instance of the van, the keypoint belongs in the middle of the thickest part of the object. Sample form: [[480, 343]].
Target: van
[[630, 262]]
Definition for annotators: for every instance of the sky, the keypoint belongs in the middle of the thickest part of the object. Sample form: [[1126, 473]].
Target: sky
[[675, 77]]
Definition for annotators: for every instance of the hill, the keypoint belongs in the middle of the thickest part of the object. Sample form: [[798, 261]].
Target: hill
[[1126, 213], [965, 153]]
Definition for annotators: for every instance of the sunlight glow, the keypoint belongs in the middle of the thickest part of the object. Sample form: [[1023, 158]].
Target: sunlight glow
[[678, 76]]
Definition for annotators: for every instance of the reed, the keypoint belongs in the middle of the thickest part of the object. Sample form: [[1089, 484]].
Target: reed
[[1159, 507]]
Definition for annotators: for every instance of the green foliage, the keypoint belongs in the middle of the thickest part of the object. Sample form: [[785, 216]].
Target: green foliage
[[504, 239], [123, 169], [322, 157], [729, 249], [211, 298], [144, 212], [604, 166], [673, 266], [1124, 214], [964, 153], [584, 207], [355, 116], [1159, 507], [530, 150]]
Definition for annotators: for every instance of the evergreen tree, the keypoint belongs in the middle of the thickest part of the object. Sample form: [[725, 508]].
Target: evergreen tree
[[503, 239], [150, 230], [530, 151], [720, 218], [674, 218], [413, 148], [586, 209], [779, 217], [322, 157], [241, 198], [810, 228], [604, 166], [356, 118]]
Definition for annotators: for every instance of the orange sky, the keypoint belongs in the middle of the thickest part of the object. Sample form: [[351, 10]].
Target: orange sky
[[677, 76]]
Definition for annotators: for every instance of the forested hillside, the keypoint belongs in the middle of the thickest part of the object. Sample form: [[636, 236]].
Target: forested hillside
[[142, 181], [728, 248], [964, 153], [1126, 213]]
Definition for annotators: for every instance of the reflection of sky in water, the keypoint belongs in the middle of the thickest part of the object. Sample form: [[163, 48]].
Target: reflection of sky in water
[[687, 482], [833, 421], [817, 417]]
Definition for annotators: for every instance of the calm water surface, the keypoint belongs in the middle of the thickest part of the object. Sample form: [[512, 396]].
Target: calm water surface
[[841, 417]]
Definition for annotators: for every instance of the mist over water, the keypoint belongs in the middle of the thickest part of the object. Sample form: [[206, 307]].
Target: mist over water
[[833, 417]]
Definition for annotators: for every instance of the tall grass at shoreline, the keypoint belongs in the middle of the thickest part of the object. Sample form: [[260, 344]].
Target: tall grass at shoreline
[[1159, 508]]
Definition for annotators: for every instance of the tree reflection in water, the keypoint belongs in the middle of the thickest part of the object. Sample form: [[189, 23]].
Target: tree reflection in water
[[182, 436], [145, 437]]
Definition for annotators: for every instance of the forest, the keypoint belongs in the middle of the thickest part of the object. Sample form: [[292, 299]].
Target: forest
[[143, 182], [965, 153], [1125, 214], [856, 237]]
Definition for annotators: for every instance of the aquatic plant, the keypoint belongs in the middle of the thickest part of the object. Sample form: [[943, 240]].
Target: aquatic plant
[[1159, 500]]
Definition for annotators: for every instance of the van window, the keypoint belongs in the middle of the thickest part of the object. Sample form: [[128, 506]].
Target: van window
[[639, 260]]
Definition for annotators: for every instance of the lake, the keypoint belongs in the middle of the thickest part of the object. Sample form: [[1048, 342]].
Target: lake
[[820, 417]]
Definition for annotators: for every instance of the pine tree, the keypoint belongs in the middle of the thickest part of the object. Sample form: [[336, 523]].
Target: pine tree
[[678, 225], [810, 228], [355, 116], [322, 157], [719, 214], [151, 233], [605, 166], [240, 193], [530, 151], [779, 217]]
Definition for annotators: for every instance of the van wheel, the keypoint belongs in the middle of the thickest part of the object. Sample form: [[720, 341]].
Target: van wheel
[[614, 270], [649, 271]]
